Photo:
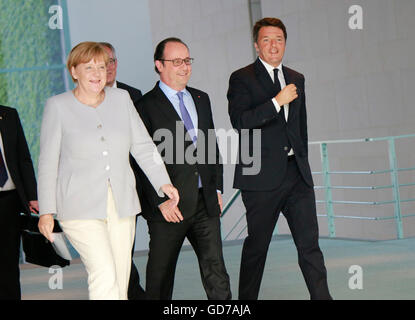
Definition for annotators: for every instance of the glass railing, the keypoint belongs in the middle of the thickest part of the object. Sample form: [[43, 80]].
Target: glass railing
[[238, 228]]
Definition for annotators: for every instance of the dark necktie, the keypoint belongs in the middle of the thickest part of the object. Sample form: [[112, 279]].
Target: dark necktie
[[3, 171], [282, 111], [276, 80]]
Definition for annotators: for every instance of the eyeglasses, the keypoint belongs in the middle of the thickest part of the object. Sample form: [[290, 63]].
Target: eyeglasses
[[178, 61]]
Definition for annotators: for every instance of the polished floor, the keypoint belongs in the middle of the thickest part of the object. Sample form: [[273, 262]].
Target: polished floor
[[357, 270]]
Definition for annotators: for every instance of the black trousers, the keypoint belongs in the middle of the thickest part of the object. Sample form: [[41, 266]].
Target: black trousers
[[135, 290], [9, 246], [166, 240], [296, 200]]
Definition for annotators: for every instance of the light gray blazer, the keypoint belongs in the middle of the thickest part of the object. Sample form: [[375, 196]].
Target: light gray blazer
[[82, 148]]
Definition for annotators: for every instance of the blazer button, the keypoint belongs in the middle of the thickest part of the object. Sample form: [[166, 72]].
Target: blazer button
[[285, 148], [196, 173]]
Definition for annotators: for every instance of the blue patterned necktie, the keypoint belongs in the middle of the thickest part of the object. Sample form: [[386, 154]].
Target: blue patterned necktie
[[186, 118], [3, 171], [188, 124]]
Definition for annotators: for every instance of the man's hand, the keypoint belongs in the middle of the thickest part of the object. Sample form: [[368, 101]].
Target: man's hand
[[220, 201], [286, 95], [45, 225], [171, 192], [34, 206], [170, 211]]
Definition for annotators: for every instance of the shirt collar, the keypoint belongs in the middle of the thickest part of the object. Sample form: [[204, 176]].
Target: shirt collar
[[270, 68], [169, 92]]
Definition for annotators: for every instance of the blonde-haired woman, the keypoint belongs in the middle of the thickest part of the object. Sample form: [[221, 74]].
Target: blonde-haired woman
[[84, 175]]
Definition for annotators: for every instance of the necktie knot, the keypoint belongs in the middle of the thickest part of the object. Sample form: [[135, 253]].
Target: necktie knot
[[276, 80], [180, 95], [276, 74]]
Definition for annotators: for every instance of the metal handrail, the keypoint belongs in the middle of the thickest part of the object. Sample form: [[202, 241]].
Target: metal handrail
[[230, 202], [327, 187]]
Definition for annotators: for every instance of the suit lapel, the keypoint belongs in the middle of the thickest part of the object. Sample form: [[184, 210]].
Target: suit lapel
[[165, 105], [5, 124], [200, 109], [169, 111], [264, 78], [288, 77], [268, 85], [2, 120]]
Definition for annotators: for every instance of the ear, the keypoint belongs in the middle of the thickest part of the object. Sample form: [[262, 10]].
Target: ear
[[73, 73], [159, 65], [256, 47]]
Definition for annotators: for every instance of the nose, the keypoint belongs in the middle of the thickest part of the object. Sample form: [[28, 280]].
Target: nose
[[97, 73]]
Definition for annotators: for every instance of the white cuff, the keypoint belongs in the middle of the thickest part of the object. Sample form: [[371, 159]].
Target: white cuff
[[277, 106]]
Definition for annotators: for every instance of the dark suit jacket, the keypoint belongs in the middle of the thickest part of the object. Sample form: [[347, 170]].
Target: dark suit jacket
[[135, 94], [250, 107], [17, 156], [157, 112]]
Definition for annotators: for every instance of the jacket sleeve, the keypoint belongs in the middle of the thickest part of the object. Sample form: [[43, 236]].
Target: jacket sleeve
[[50, 147], [243, 114], [25, 163], [145, 189], [145, 152], [218, 160], [303, 118]]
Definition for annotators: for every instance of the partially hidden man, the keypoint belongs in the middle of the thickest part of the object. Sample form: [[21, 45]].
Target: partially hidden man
[[135, 291], [17, 194]]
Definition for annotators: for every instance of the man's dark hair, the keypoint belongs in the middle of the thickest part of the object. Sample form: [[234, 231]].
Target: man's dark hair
[[268, 22], [159, 52]]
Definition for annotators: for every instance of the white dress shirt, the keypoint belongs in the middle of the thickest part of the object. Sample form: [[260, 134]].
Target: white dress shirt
[[190, 106], [9, 185], [171, 94], [270, 70]]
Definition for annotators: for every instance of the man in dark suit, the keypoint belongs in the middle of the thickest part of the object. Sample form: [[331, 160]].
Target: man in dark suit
[[179, 118], [269, 97], [135, 291], [135, 94], [17, 194]]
